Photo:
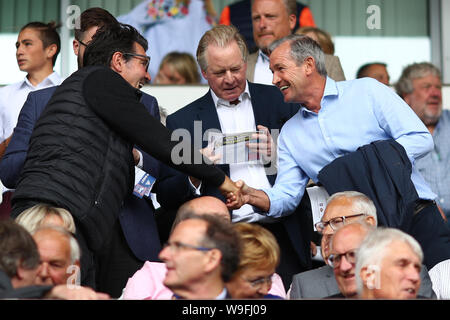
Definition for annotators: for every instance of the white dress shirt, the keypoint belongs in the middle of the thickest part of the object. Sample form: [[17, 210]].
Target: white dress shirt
[[13, 97], [235, 119], [263, 74]]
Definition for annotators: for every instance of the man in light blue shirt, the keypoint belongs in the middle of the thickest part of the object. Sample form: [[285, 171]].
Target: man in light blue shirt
[[335, 119]]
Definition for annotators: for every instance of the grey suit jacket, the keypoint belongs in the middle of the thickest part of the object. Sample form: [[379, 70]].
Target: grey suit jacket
[[332, 65], [320, 283]]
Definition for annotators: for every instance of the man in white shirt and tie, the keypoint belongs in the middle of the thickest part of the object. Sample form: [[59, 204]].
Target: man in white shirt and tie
[[233, 105]]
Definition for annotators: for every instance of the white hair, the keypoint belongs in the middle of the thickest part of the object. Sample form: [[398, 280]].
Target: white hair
[[373, 249], [360, 202], [75, 251]]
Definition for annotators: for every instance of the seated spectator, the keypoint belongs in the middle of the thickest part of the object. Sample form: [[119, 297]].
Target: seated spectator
[[178, 68], [342, 208], [60, 256], [388, 265], [19, 266], [420, 85], [201, 256], [376, 70], [260, 257], [147, 283], [43, 215], [344, 244], [322, 37]]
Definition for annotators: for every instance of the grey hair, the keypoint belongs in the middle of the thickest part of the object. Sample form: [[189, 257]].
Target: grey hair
[[291, 6], [303, 47], [414, 71], [75, 251], [360, 202], [220, 36], [373, 249]]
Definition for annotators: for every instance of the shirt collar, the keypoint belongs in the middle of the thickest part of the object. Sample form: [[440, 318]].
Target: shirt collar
[[330, 90], [263, 56], [220, 102], [52, 80]]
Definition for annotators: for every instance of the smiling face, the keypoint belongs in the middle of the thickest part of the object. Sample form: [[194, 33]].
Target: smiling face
[[346, 240], [30, 53], [271, 22], [135, 69], [290, 78], [226, 71]]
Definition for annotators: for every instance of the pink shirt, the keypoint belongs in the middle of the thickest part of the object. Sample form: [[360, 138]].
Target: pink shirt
[[147, 284]]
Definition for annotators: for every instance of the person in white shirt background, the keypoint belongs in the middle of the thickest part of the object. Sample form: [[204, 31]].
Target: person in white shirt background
[[38, 45]]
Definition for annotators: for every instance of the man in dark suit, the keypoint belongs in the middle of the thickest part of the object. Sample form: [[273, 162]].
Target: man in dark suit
[[234, 105], [136, 238]]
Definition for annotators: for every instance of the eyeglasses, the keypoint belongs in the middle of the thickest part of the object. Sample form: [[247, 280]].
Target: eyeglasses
[[257, 283], [335, 223], [176, 246], [140, 57], [334, 260], [82, 43]]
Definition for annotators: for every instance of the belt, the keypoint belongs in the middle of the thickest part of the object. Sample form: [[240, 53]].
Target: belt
[[422, 204]]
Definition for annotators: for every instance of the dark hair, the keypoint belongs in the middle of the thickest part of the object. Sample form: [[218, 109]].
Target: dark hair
[[221, 235], [361, 73], [93, 17], [17, 248], [47, 34], [110, 39]]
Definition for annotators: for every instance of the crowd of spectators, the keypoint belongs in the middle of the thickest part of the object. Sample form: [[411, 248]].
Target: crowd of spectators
[[79, 157]]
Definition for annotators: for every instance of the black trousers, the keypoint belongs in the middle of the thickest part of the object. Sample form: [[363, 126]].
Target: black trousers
[[115, 263]]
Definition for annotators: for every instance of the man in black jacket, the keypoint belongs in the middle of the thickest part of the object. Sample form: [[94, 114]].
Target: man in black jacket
[[80, 154]]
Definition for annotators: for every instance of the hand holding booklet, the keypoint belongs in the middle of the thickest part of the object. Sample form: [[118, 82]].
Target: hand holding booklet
[[233, 148]]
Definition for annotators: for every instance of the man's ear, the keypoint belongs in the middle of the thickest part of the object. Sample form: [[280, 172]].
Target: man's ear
[[214, 257], [310, 65], [370, 277], [292, 20], [371, 221], [76, 47], [117, 62], [51, 50], [407, 98]]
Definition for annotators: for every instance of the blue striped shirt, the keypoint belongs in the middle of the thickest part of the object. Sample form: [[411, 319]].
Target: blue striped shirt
[[435, 166]]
